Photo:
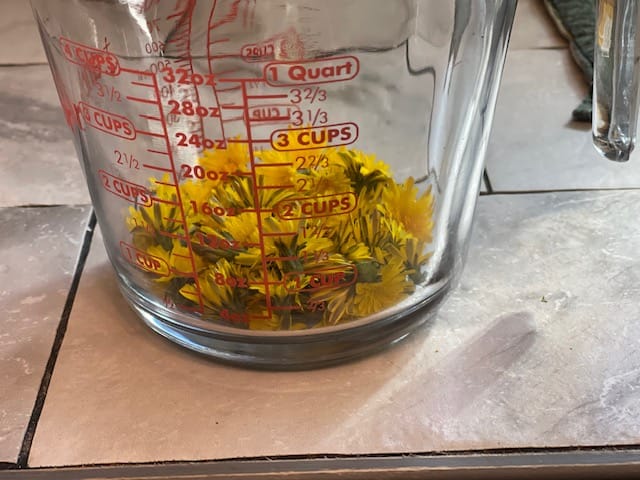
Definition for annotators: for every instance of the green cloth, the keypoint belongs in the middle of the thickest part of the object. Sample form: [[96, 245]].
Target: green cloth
[[576, 20]]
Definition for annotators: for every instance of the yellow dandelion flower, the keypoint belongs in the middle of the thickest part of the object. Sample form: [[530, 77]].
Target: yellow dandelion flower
[[251, 257], [242, 228], [163, 254], [277, 168], [264, 260], [226, 237], [179, 258], [413, 212], [224, 293], [183, 261], [158, 222], [332, 179], [265, 322], [370, 164], [414, 256], [364, 171], [234, 158], [373, 297]]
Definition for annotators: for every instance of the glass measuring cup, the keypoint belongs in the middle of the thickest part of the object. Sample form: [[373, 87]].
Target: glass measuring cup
[[280, 184]]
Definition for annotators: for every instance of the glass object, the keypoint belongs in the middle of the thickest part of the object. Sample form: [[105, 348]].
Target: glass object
[[616, 83], [282, 184]]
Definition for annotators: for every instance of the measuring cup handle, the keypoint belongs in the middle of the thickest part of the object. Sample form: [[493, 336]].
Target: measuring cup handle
[[616, 83]]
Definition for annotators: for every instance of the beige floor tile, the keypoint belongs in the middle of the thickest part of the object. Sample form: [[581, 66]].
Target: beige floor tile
[[37, 157], [39, 249], [19, 38], [533, 27], [537, 347]]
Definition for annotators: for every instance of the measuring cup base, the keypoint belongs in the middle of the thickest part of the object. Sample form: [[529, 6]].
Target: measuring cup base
[[299, 352]]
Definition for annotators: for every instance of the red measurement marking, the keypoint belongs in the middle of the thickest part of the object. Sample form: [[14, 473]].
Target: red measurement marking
[[180, 255], [166, 202], [217, 242], [237, 140], [177, 14], [282, 259], [183, 45], [107, 122], [166, 184], [140, 84], [274, 187], [184, 36], [283, 164], [272, 113], [144, 260], [283, 95], [259, 52], [174, 178], [151, 134], [156, 167], [174, 220], [316, 137], [330, 277], [210, 41], [142, 100], [230, 89], [312, 94], [91, 58], [327, 70], [124, 189], [229, 17], [136, 72], [185, 74], [157, 151], [150, 117], [175, 236], [256, 196], [264, 282], [279, 234], [320, 206]]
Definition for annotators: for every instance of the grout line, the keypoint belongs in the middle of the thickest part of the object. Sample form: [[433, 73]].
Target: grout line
[[27, 441], [487, 182], [560, 190], [43, 205], [256, 461], [26, 64]]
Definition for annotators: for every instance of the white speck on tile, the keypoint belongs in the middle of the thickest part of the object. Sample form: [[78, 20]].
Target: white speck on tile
[[26, 367], [612, 382], [31, 300]]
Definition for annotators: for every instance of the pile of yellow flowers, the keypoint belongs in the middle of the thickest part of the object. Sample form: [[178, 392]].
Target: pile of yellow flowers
[[316, 240]]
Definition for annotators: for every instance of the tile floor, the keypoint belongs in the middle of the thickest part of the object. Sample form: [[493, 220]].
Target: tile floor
[[568, 374], [538, 361]]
